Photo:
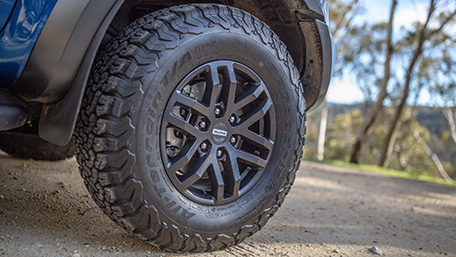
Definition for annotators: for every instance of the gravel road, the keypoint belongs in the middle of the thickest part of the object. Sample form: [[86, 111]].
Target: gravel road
[[45, 210]]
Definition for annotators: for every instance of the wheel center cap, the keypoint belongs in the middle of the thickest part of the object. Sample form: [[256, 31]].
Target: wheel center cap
[[219, 132]]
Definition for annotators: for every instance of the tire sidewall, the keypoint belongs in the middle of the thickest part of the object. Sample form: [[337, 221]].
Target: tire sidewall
[[173, 66]]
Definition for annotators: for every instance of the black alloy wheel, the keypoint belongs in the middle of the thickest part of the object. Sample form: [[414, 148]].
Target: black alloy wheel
[[218, 132]]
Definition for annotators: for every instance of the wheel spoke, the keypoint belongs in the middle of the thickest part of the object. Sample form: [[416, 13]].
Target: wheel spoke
[[229, 88], [217, 183], [214, 85], [191, 103], [181, 124], [257, 139], [185, 155], [232, 84], [196, 172], [251, 158], [233, 174], [250, 95], [253, 116]]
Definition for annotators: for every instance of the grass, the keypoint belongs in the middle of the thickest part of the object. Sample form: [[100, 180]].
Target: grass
[[390, 172]]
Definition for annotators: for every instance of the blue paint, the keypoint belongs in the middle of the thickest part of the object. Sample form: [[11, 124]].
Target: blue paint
[[19, 37], [6, 7]]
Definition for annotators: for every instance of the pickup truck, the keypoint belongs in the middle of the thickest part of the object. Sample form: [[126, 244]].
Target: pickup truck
[[186, 117]]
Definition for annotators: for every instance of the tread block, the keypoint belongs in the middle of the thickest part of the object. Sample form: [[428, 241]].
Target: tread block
[[247, 231], [112, 178], [221, 242], [169, 238], [193, 244], [145, 223], [120, 86], [112, 128]]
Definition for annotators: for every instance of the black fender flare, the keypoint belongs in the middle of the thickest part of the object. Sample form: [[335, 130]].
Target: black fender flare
[[61, 62]]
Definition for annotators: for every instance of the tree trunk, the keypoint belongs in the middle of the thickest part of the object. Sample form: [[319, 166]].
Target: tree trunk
[[322, 133], [370, 121], [389, 152], [451, 117], [433, 156], [389, 140]]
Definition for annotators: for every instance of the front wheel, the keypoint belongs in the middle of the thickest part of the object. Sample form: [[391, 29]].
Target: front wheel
[[192, 127]]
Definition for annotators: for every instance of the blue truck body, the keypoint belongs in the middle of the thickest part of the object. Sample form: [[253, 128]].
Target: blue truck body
[[21, 23]]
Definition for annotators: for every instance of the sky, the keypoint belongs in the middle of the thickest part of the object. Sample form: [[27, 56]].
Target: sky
[[344, 90]]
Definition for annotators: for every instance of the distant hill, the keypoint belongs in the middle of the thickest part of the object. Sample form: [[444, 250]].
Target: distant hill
[[432, 119], [429, 117]]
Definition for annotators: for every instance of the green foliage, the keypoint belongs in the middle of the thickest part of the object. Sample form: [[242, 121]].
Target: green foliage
[[340, 133]]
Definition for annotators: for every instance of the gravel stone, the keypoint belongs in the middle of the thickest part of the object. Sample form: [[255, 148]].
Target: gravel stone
[[37, 244], [375, 250]]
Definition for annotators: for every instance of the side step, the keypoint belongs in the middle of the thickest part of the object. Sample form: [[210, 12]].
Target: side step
[[13, 111]]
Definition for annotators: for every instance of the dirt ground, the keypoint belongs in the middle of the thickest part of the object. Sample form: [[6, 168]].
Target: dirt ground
[[45, 210]]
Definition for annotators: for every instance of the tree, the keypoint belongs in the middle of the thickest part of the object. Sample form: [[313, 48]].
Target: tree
[[342, 14], [422, 34], [392, 70], [370, 121]]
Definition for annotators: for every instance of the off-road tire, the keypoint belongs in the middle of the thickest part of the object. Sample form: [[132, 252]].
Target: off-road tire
[[26, 146], [117, 136]]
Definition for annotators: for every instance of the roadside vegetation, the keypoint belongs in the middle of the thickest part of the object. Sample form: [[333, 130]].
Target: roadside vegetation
[[380, 170]]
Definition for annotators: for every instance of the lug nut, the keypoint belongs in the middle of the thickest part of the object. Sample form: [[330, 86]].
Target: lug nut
[[219, 153], [202, 124], [233, 140], [232, 119], [217, 111], [203, 146]]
